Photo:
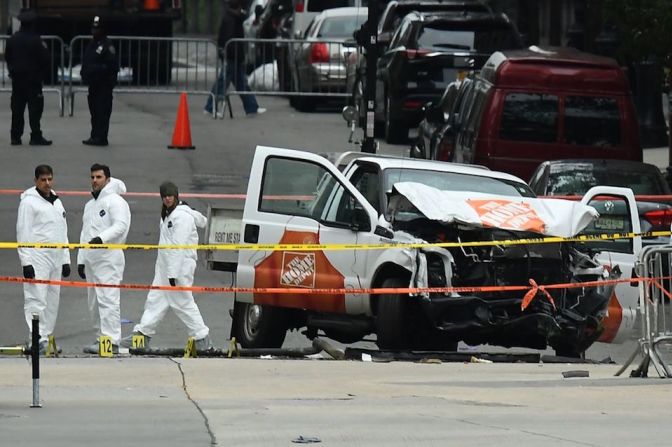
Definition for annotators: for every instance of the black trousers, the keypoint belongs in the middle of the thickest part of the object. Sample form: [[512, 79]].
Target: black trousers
[[26, 92], [100, 107]]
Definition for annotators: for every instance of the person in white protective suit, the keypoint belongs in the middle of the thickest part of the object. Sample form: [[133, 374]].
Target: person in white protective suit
[[174, 267], [41, 218], [106, 220]]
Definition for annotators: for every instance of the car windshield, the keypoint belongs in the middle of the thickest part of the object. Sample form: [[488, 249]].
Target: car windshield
[[445, 37], [341, 26], [577, 178], [452, 181]]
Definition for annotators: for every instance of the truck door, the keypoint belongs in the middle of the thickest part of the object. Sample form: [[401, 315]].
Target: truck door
[[618, 214], [298, 198]]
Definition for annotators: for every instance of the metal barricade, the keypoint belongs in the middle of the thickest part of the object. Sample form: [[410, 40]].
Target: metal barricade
[[655, 310], [152, 65], [303, 70], [53, 81]]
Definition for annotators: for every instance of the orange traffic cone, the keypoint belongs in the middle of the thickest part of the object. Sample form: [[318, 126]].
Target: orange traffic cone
[[182, 132], [152, 5]]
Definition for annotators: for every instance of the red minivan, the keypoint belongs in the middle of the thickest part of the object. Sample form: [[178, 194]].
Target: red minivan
[[528, 106]]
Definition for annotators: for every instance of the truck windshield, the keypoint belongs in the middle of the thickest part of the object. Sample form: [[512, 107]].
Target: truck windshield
[[453, 181]]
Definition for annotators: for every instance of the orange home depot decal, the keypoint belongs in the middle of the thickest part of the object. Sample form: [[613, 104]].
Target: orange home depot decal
[[311, 270], [507, 214], [612, 321]]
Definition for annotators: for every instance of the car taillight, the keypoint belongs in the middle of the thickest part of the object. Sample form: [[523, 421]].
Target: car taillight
[[299, 7], [319, 52], [659, 218], [412, 104], [412, 54]]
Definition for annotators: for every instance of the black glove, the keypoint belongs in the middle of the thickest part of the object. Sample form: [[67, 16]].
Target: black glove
[[65, 272], [172, 281], [80, 270], [28, 272], [96, 240]]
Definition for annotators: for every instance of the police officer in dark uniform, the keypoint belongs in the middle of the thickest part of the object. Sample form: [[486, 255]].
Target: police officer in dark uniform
[[27, 59], [99, 71]]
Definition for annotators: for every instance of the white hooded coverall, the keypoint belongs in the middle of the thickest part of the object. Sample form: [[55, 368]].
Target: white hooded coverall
[[109, 218], [178, 228], [40, 221]]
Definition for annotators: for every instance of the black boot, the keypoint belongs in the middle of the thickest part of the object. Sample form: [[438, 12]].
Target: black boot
[[39, 140]]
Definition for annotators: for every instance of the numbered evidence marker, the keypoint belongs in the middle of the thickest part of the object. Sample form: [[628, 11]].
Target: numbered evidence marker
[[52, 349], [190, 349], [138, 342], [105, 346]]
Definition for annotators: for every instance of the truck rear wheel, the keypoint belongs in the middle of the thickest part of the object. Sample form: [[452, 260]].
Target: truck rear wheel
[[258, 326]]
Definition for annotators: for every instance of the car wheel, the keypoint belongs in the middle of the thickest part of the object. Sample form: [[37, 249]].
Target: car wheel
[[395, 131], [257, 326], [391, 327]]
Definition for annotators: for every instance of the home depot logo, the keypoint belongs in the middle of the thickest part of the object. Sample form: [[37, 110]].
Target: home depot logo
[[506, 214], [298, 269]]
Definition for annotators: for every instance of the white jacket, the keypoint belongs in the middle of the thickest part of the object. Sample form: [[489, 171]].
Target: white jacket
[[107, 217], [179, 228], [40, 221]]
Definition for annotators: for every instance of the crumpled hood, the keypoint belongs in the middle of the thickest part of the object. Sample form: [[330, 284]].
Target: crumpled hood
[[550, 217]]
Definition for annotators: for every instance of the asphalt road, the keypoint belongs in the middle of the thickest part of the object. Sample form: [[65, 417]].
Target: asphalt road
[[156, 402], [141, 129]]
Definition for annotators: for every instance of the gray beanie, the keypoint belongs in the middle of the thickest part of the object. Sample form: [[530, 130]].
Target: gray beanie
[[168, 189]]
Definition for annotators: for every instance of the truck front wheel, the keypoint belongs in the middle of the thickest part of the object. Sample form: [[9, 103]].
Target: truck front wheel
[[391, 325], [258, 326]]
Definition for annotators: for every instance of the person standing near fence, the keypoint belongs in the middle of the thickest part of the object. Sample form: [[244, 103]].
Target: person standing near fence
[[106, 220], [174, 267], [233, 58], [100, 67], [41, 218], [27, 59]]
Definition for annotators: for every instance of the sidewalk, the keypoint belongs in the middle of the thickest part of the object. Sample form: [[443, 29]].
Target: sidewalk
[[254, 402]]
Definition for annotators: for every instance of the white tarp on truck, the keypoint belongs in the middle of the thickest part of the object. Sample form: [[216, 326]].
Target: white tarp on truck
[[551, 217]]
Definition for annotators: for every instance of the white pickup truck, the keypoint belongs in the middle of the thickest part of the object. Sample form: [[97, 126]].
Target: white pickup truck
[[296, 197]]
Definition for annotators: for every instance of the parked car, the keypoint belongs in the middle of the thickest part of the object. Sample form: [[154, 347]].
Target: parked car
[[320, 62], [388, 22], [575, 177], [306, 10], [435, 117], [426, 53], [537, 104], [388, 200]]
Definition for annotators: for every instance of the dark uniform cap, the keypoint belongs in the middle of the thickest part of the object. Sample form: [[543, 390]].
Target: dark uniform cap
[[27, 16], [168, 189]]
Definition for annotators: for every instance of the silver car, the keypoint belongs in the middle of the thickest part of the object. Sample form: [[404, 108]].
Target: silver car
[[320, 61]]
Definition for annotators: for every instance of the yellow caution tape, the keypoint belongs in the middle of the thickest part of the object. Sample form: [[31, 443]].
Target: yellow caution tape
[[318, 247]]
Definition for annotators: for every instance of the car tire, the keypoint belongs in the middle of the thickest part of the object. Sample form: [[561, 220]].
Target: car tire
[[391, 328], [395, 130], [258, 326], [305, 104]]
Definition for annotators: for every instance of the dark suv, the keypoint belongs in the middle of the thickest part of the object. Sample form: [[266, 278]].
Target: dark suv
[[426, 53]]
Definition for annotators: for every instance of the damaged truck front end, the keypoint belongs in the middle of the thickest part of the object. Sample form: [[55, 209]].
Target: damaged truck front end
[[487, 262]]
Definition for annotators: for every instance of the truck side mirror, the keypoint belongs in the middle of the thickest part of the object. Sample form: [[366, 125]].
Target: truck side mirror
[[360, 220]]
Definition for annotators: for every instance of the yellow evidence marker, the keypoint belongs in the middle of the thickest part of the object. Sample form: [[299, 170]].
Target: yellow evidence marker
[[190, 349], [105, 346], [138, 341]]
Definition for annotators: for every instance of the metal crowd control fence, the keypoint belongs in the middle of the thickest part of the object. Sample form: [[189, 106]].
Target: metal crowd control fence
[[300, 69], [152, 65], [53, 81], [655, 311]]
